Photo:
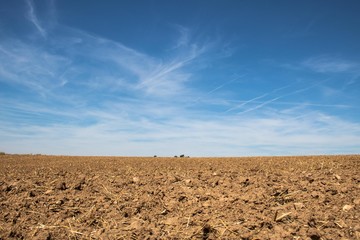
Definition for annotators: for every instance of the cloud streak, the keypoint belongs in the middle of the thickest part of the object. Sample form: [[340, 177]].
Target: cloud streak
[[114, 66], [34, 19], [121, 135], [257, 98], [276, 98], [324, 64]]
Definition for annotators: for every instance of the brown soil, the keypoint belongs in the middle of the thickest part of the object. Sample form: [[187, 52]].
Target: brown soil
[[57, 197]]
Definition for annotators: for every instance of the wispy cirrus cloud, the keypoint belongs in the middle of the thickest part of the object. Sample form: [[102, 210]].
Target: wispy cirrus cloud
[[242, 104], [30, 66], [113, 65], [154, 76], [184, 36], [140, 134], [34, 19], [167, 78], [94, 62], [297, 91], [323, 64]]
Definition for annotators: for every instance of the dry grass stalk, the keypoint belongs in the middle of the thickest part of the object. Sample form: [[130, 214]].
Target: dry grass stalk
[[87, 214], [227, 228], [188, 222], [29, 211], [282, 216], [338, 224]]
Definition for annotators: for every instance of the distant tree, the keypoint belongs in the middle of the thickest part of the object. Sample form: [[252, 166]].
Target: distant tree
[[182, 155], [2, 153]]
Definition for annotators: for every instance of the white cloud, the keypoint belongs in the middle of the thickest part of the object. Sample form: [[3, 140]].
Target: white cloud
[[30, 66], [153, 76], [34, 19], [330, 65], [184, 36], [242, 104], [95, 63], [119, 134]]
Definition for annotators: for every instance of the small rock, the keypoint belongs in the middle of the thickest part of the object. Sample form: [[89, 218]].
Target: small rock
[[135, 224], [215, 183], [337, 177], [298, 205], [80, 184], [347, 207], [357, 201], [136, 179], [187, 181], [182, 198], [206, 204], [48, 192], [61, 186], [332, 191], [174, 179]]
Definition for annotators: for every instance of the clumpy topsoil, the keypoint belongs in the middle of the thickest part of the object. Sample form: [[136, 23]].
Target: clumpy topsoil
[[59, 197]]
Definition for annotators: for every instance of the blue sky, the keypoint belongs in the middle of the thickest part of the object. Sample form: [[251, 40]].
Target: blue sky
[[201, 78]]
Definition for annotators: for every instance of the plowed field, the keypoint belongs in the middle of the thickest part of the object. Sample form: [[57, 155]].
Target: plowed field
[[59, 197]]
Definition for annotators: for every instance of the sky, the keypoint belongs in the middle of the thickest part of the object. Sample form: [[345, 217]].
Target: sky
[[164, 77]]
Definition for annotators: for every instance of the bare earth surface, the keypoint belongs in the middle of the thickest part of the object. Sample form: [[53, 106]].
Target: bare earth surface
[[56, 197]]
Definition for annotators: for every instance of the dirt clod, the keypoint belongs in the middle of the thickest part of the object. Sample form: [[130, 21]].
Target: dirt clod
[[61, 186], [298, 206], [347, 207]]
